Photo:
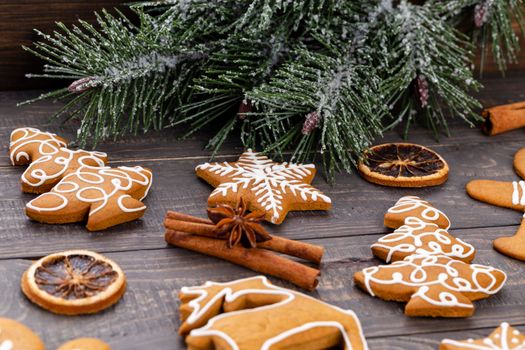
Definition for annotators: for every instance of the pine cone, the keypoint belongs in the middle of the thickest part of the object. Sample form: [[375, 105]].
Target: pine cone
[[311, 122], [422, 90]]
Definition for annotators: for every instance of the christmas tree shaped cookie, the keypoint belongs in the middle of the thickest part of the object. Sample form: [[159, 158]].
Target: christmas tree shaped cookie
[[510, 194], [504, 337], [432, 285], [105, 196], [252, 313], [420, 229], [267, 186], [48, 157], [413, 206], [419, 237]]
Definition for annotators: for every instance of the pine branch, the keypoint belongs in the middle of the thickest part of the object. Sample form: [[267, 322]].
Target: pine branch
[[425, 67], [490, 23], [338, 98]]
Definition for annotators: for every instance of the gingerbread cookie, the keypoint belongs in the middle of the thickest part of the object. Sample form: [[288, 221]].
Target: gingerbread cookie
[[504, 337], [274, 188], [104, 196], [49, 158], [414, 206], [252, 313], [85, 344], [74, 282], [419, 237], [508, 195], [432, 285], [16, 336]]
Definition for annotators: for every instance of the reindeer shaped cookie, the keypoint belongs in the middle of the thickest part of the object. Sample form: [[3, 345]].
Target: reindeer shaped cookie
[[48, 157], [510, 194], [252, 313]]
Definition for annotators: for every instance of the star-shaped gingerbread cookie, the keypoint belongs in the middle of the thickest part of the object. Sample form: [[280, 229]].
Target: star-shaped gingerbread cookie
[[504, 337], [274, 188]]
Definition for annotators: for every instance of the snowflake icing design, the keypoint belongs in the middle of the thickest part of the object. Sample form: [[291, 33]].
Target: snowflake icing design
[[273, 185]]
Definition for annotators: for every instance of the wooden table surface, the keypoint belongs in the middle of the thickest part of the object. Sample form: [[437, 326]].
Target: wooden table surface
[[147, 316]]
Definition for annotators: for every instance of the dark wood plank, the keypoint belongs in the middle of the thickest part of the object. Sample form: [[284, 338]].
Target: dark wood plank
[[358, 205], [17, 21], [150, 306]]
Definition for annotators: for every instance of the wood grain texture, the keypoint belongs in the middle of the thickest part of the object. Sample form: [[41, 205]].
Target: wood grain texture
[[150, 304], [147, 316], [17, 21]]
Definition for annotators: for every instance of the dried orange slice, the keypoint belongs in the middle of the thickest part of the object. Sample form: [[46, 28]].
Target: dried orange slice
[[74, 282], [85, 344], [403, 165]]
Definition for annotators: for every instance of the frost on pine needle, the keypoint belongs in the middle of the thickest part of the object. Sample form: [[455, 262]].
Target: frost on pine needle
[[317, 77]]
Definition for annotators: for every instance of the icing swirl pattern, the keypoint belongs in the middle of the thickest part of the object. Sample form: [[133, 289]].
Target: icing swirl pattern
[[50, 159], [419, 237], [415, 206], [436, 280], [107, 196], [249, 303]]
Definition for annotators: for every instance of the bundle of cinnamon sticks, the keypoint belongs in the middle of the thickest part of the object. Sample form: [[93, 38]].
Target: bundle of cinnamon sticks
[[200, 235]]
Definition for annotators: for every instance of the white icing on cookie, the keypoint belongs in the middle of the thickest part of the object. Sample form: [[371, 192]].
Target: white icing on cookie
[[430, 271], [36, 177], [504, 341], [428, 213], [6, 345], [413, 243], [516, 198], [268, 181], [50, 145], [229, 296], [121, 178]]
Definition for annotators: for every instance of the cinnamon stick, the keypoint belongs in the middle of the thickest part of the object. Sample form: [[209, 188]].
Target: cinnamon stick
[[185, 217], [503, 118], [256, 259], [277, 244]]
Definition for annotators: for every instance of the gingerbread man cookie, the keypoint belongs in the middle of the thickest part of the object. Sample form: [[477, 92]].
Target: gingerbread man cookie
[[414, 206], [432, 285], [16, 336], [252, 313], [509, 195], [104, 196], [419, 237], [504, 337], [267, 186], [48, 157]]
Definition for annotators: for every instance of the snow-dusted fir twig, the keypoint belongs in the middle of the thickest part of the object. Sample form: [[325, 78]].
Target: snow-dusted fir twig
[[306, 76], [490, 23], [425, 65]]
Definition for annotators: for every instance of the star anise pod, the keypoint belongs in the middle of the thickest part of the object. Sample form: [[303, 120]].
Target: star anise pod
[[238, 225]]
